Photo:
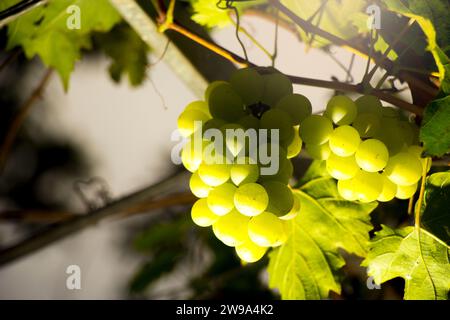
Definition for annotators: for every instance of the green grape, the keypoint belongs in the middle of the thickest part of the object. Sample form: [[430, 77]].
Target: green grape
[[199, 105], [281, 199], [283, 175], [372, 155], [192, 154], [243, 171], [276, 86], [367, 125], [224, 103], [295, 209], [297, 106], [369, 104], [250, 252], [278, 120], [249, 84], [316, 130], [214, 174], [202, 215], [404, 169], [346, 190], [344, 141], [251, 199], [319, 152], [389, 112], [249, 122], [407, 132], [368, 186], [295, 146], [391, 135], [342, 168], [212, 86], [341, 110], [213, 124], [389, 190], [234, 137], [417, 151], [266, 230], [187, 121], [198, 187], [232, 229], [406, 192], [221, 199]]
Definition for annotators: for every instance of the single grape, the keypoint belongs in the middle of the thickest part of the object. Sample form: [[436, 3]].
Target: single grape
[[367, 125], [221, 199], [389, 112], [249, 122], [275, 119], [367, 185], [391, 135], [342, 168], [199, 105], [417, 151], [276, 86], [214, 174], [266, 229], [319, 152], [344, 141], [234, 136], [212, 86], [316, 130], [249, 84], [224, 103], [202, 215], [281, 199], [404, 169], [213, 124], [232, 229], [295, 209], [369, 104], [406, 192], [192, 154], [407, 132], [198, 187], [341, 110], [297, 106], [346, 190], [251, 199], [191, 120], [389, 190], [243, 171], [283, 175], [250, 252], [372, 155], [295, 146]]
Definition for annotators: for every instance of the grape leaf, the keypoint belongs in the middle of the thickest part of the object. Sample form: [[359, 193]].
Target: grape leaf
[[435, 213], [307, 265], [127, 51], [44, 32], [435, 130], [425, 267]]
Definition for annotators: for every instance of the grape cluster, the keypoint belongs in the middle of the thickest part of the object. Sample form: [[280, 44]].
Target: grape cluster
[[246, 208], [373, 151]]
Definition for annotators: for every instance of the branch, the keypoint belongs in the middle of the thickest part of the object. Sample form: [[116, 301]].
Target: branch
[[130, 204], [19, 9], [20, 118]]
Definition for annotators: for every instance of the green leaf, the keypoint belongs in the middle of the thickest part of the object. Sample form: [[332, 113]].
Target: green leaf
[[161, 235], [127, 51], [307, 265], [435, 213], [435, 130], [44, 32], [425, 267], [161, 264]]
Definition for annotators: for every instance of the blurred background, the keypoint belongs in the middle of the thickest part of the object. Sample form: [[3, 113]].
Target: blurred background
[[117, 138]]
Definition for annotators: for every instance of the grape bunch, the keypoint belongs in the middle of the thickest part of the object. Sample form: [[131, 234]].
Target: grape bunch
[[247, 205], [373, 151]]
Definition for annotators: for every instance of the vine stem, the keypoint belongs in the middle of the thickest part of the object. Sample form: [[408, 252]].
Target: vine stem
[[134, 202], [421, 194], [20, 118]]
